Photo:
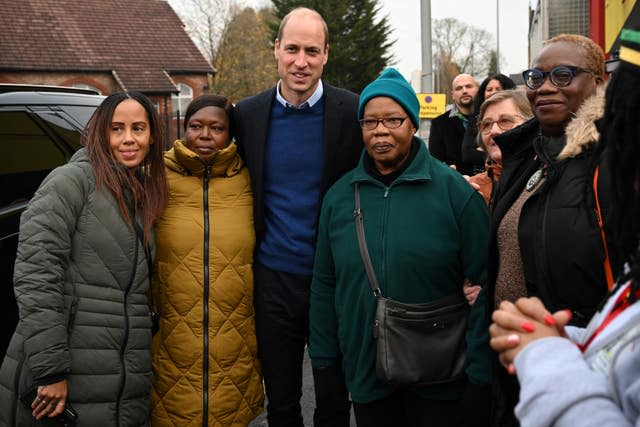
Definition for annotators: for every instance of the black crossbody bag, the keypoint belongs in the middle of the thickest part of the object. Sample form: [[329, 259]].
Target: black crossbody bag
[[416, 344]]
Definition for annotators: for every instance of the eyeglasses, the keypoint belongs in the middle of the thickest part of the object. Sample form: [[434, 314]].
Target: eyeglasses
[[389, 123], [505, 122], [560, 76]]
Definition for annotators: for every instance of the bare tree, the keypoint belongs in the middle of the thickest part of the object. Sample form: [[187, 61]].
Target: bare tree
[[206, 21], [460, 48]]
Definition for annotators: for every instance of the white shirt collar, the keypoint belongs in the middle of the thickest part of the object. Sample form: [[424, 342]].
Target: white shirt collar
[[315, 96]]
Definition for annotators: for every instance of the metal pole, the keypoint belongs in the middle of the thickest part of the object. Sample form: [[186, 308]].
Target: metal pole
[[498, 36], [425, 28]]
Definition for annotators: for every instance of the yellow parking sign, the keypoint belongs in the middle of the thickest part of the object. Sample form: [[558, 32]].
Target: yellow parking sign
[[432, 104]]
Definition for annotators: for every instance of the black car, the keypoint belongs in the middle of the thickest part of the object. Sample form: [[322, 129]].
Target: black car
[[40, 128]]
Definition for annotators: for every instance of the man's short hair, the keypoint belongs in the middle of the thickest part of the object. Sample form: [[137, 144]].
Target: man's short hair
[[306, 9]]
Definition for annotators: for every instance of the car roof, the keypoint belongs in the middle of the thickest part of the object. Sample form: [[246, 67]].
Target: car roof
[[49, 98], [10, 87]]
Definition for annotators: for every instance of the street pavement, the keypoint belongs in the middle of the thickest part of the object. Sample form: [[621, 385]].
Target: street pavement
[[307, 402]]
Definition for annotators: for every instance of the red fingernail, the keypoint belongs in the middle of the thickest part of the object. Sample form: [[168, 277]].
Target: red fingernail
[[569, 313], [549, 320], [528, 327], [511, 369], [513, 339]]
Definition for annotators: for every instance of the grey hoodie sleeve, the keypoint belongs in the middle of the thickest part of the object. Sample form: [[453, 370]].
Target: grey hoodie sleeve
[[559, 389]]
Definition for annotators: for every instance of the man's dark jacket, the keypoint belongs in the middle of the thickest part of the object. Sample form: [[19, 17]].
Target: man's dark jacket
[[342, 140], [445, 141]]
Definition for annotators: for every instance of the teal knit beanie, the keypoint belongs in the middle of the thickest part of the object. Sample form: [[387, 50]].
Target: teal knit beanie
[[391, 84]]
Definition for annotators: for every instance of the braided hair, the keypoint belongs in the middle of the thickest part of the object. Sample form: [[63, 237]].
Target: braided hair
[[621, 143]]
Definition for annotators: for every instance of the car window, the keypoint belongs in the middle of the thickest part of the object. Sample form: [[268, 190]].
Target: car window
[[28, 154], [64, 126], [80, 114]]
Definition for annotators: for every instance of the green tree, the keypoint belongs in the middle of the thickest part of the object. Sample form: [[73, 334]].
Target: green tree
[[244, 61], [359, 40]]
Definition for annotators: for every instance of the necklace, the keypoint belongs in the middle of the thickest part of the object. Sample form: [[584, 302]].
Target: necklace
[[534, 180]]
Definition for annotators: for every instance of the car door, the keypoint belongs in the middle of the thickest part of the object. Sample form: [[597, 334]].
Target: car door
[[33, 141]]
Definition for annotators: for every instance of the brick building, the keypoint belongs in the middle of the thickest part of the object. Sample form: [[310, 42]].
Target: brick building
[[105, 45]]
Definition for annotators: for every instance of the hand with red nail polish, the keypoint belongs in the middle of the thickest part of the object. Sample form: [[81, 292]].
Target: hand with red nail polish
[[528, 326], [549, 320], [516, 325]]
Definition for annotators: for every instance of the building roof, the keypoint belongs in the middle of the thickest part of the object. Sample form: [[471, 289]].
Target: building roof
[[141, 42]]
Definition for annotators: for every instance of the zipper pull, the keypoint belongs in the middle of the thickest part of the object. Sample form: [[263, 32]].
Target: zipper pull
[[386, 192], [72, 314]]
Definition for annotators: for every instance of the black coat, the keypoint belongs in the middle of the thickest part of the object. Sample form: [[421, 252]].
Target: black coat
[[445, 141], [342, 140], [470, 153], [560, 243]]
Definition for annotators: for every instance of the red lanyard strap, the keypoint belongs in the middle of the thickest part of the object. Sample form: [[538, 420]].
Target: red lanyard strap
[[622, 302], [607, 263]]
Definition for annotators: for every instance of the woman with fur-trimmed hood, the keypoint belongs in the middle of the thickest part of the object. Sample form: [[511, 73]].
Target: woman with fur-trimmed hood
[[545, 240]]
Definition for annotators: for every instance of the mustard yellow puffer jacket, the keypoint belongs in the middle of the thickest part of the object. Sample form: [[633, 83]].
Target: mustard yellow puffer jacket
[[203, 292]]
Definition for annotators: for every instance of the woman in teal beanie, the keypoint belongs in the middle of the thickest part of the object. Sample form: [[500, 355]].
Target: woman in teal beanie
[[426, 232]]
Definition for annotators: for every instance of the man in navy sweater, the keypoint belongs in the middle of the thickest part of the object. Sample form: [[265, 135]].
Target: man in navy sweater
[[297, 139]]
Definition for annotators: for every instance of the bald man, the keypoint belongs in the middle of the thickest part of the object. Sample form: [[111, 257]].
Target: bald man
[[447, 130]]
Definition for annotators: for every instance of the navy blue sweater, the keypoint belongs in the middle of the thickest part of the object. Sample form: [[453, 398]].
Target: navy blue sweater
[[294, 155]]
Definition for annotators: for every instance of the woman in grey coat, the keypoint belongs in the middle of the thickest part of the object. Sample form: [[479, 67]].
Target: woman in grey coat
[[81, 277]]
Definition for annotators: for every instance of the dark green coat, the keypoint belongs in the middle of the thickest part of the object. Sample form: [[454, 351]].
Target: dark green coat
[[76, 253], [425, 233]]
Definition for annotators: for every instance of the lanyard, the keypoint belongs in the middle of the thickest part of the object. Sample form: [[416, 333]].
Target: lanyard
[[622, 302]]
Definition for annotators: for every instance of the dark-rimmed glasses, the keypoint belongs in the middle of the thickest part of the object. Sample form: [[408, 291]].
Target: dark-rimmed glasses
[[505, 122], [560, 76], [389, 123]]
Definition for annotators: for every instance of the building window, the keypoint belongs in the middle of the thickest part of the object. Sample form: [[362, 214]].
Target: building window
[[85, 86], [182, 99]]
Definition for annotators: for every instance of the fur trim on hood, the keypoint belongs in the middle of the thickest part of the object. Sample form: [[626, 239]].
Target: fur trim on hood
[[581, 131]]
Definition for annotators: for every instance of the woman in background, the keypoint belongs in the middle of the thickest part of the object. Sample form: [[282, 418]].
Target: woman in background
[[498, 114], [81, 276], [471, 153], [205, 353]]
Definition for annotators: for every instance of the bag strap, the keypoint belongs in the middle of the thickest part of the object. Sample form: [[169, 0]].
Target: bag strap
[[607, 263], [362, 244]]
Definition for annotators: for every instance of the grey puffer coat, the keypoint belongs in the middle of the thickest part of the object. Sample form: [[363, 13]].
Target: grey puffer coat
[[81, 282]]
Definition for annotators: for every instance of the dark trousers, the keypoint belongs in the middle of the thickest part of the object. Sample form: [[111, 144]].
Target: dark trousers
[[406, 408], [282, 325]]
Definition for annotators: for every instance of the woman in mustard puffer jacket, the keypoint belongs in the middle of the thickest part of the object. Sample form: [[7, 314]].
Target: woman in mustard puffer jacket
[[205, 353]]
